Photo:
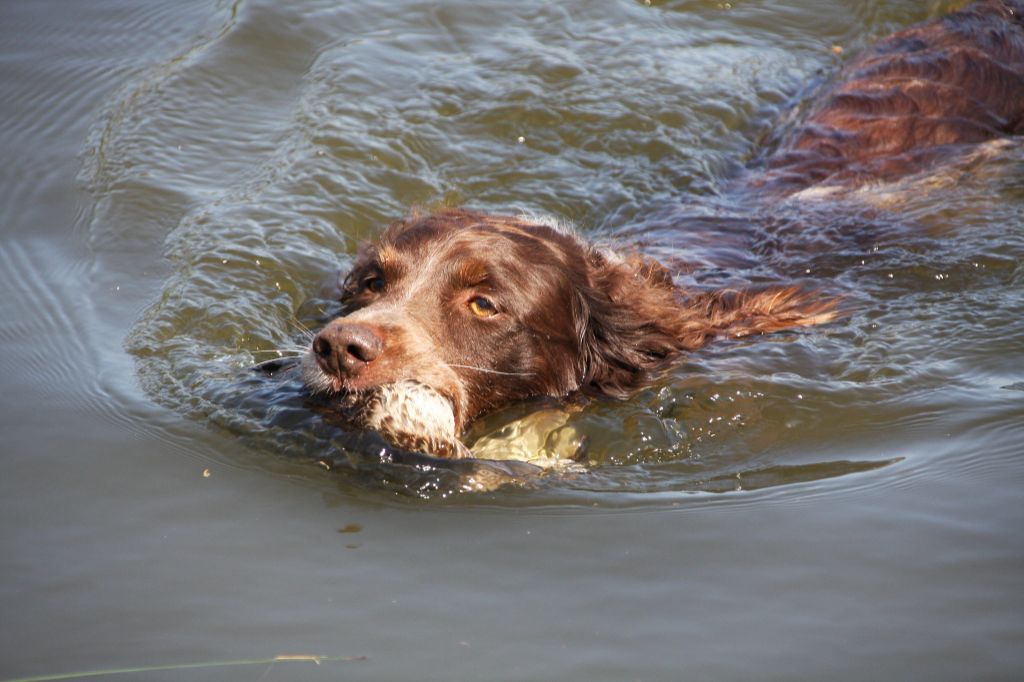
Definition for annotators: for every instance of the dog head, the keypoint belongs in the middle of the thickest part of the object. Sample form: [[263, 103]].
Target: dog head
[[455, 314]]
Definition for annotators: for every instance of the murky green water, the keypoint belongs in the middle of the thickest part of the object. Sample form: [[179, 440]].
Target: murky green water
[[183, 184]]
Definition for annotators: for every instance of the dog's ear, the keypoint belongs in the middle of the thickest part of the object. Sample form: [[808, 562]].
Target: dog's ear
[[628, 323], [736, 313], [632, 320]]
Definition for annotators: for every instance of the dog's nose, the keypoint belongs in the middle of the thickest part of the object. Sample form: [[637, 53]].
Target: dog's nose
[[347, 347]]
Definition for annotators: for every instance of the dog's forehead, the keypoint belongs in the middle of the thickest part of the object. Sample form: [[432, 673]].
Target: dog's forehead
[[489, 239], [522, 255], [457, 249]]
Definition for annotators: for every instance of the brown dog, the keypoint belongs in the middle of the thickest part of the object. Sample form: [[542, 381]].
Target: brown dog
[[458, 313], [912, 100]]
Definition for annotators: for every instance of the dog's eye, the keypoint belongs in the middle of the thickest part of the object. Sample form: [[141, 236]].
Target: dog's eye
[[375, 284], [482, 307]]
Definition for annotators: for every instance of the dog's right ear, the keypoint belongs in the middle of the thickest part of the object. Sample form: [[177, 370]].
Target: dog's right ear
[[349, 280]]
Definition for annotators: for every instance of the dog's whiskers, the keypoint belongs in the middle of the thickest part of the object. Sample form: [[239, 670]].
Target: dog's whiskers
[[283, 352], [492, 371], [306, 332]]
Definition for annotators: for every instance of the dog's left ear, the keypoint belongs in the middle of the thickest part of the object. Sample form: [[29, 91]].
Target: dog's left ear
[[628, 323], [736, 314], [632, 320]]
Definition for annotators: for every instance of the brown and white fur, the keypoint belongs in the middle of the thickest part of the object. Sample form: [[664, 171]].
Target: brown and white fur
[[454, 314]]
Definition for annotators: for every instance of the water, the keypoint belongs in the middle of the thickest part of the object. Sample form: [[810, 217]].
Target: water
[[184, 183]]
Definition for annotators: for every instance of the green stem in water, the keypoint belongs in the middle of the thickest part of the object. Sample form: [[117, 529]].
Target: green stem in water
[[183, 666]]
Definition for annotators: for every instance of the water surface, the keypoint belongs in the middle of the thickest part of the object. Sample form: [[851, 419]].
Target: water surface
[[183, 185]]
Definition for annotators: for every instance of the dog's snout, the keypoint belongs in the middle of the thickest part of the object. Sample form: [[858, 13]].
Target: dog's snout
[[347, 347]]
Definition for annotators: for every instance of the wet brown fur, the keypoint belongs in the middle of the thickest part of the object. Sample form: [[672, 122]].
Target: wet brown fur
[[911, 101], [573, 317]]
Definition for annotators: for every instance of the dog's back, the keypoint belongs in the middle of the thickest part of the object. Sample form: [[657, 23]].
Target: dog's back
[[908, 102]]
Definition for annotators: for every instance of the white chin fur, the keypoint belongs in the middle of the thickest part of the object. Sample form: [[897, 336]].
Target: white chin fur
[[410, 409], [409, 414]]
